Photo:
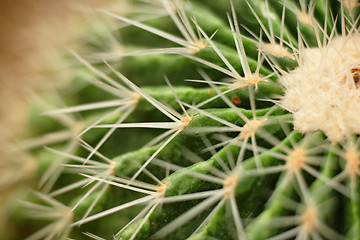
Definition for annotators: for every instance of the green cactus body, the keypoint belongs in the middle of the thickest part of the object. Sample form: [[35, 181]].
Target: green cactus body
[[217, 120]]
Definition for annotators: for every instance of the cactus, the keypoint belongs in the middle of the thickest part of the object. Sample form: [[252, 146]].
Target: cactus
[[201, 119]]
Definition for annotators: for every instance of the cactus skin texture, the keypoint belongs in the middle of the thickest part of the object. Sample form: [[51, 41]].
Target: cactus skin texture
[[203, 119]]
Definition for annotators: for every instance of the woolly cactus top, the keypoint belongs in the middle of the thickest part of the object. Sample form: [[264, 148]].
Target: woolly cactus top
[[322, 91]]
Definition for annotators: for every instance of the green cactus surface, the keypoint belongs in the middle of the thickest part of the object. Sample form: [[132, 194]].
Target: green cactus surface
[[200, 120]]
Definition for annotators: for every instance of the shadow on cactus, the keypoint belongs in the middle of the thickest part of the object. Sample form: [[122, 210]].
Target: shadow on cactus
[[211, 120]]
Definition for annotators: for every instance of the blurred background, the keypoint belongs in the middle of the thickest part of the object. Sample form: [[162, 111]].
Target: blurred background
[[31, 33]]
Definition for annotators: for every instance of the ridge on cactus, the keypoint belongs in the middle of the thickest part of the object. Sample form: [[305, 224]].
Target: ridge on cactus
[[213, 120]]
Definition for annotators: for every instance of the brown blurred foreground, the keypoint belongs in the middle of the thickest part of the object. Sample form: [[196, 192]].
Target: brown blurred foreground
[[30, 32]]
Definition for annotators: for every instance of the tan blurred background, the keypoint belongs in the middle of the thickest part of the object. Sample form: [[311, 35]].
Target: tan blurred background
[[30, 31], [32, 34]]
